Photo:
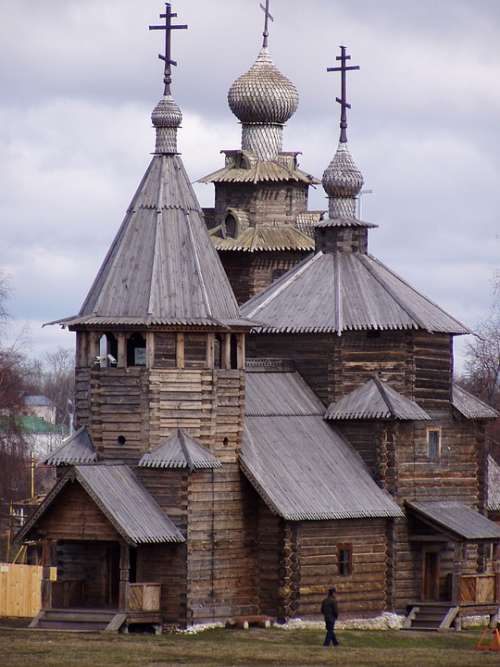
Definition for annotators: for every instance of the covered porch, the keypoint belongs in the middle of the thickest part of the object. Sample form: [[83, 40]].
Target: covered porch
[[97, 527], [457, 564]]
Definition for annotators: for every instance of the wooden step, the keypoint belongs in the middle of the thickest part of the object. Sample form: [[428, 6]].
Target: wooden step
[[75, 626], [77, 617]]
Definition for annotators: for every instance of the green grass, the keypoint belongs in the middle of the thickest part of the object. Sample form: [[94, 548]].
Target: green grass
[[238, 648]]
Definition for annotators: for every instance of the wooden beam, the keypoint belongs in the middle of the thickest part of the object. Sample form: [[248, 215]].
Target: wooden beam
[[122, 350], [124, 576], [180, 350], [227, 351], [241, 351], [93, 347], [210, 350], [150, 349], [412, 537]]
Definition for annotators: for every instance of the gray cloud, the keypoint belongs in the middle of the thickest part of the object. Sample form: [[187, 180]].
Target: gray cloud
[[75, 134]]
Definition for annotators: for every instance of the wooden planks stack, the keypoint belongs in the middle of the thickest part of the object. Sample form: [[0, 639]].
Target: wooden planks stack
[[20, 590]]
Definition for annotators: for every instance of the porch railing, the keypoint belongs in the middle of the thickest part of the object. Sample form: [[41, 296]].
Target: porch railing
[[478, 589]]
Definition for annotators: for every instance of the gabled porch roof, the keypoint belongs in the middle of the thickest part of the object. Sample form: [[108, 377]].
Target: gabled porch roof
[[120, 496]]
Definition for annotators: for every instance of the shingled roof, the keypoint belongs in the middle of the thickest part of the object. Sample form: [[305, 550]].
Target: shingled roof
[[259, 171], [456, 518], [470, 406], [266, 238], [123, 500], [375, 399], [340, 291], [77, 448], [301, 467], [162, 268], [180, 450]]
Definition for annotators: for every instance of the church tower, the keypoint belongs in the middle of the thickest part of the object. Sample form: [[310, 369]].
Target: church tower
[[261, 225], [160, 378]]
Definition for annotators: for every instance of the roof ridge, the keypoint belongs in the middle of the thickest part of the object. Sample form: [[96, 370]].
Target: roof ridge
[[158, 219], [185, 450], [409, 311], [337, 278], [384, 394], [423, 296]]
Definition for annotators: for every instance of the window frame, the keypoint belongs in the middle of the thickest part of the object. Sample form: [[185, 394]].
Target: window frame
[[342, 563], [429, 430]]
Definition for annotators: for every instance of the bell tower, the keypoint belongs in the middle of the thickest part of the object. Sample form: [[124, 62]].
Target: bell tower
[[161, 355]]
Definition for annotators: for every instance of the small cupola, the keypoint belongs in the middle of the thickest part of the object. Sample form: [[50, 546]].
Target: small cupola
[[342, 181]]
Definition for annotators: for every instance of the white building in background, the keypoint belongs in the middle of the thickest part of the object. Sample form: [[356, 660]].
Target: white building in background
[[40, 406]]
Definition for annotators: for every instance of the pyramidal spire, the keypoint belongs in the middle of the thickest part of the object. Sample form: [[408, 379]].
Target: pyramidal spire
[[161, 269], [167, 116], [342, 179]]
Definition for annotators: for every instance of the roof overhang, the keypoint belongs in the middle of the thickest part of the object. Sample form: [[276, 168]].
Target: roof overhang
[[455, 520]]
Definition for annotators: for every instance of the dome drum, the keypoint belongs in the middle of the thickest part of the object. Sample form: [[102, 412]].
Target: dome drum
[[264, 140]]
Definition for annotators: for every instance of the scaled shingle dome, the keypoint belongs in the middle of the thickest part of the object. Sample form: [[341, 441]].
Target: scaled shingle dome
[[263, 94]]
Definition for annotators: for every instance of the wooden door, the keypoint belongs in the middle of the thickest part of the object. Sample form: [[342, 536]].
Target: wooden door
[[431, 576]]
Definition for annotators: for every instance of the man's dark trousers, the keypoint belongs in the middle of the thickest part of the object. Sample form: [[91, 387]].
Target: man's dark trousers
[[330, 633]]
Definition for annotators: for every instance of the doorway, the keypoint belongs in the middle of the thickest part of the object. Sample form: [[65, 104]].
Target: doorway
[[88, 575], [430, 587]]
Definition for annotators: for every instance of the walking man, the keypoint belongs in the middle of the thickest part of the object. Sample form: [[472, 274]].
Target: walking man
[[329, 609]]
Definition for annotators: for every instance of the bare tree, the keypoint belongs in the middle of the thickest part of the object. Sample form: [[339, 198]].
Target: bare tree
[[58, 372]]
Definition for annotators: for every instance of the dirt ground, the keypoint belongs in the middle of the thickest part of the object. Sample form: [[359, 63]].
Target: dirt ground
[[20, 647]]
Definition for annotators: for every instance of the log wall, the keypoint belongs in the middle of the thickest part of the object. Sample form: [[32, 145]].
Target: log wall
[[362, 593], [251, 273], [265, 203]]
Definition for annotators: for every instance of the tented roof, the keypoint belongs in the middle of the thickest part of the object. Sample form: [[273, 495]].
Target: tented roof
[[340, 291]]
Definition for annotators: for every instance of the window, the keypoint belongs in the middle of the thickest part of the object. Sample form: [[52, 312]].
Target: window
[[218, 351], [136, 350], [108, 351], [433, 443], [344, 560]]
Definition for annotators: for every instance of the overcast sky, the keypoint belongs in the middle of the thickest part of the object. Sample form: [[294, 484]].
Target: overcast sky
[[79, 79]]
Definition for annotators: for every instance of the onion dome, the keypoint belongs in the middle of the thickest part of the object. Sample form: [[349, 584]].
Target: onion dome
[[166, 118], [263, 94], [167, 113], [342, 182]]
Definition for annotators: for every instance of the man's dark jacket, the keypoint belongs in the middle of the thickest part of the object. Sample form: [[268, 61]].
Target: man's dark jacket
[[329, 609]]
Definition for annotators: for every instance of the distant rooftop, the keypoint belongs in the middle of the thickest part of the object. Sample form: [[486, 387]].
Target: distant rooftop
[[38, 401]]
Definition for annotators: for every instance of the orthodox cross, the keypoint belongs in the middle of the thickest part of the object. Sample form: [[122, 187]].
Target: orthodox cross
[[344, 68], [167, 58], [269, 17]]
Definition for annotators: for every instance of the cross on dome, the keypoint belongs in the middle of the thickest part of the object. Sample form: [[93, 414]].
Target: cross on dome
[[269, 17], [344, 104], [168, 27]]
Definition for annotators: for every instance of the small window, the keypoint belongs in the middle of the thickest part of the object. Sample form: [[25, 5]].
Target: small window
[[433, 443], [344, 560], [108, 351], [230, 226], [218, 351], [136, 350]]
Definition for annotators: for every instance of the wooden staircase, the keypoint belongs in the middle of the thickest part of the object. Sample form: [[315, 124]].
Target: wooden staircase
[[431, 616], [79, 620]]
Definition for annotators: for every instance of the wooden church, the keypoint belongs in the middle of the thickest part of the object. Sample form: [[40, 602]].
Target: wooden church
[[264, 408]]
